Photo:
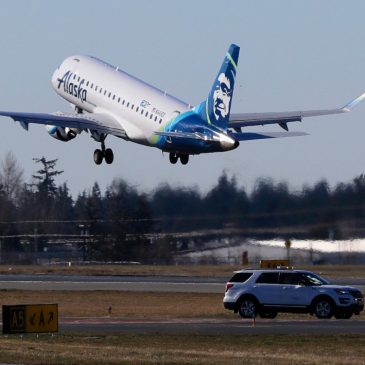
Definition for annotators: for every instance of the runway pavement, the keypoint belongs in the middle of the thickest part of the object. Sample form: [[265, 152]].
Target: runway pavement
[[213, 326], [119, 283], [126, 283]]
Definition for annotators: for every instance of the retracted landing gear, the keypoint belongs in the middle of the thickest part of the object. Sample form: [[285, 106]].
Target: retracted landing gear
[[103, 153], [184, 159]]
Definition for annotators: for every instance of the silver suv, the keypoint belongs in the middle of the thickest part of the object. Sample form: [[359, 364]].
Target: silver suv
[[267, 292]]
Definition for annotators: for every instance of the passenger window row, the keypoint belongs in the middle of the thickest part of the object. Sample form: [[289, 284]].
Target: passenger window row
[[118, 100]]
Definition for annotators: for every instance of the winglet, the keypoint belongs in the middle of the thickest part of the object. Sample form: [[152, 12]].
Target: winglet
[[348, 107]]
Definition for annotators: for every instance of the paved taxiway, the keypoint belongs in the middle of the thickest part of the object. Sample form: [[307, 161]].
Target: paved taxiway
[[210, 326], [213, 327]]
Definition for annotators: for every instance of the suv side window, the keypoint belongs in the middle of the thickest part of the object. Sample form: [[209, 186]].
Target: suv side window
[[268, 278], [291, 278], [240, 277]]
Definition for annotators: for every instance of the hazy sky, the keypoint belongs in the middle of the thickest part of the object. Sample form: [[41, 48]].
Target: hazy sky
[[294, 55]]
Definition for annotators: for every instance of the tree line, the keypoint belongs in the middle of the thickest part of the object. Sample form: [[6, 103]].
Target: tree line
[[123, 223]]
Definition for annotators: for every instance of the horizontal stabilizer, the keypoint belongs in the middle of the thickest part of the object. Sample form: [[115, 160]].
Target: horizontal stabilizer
[[196, 135], [252, 136]]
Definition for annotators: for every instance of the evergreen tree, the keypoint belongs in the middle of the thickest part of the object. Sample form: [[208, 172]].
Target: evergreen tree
[[46, 178]]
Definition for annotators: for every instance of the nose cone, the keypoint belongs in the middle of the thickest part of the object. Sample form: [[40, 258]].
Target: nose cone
[[228, 143]]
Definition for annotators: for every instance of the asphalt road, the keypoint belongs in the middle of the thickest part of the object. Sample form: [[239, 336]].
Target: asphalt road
[[126, 283], [119, 283], [214, 327], [106, 325]]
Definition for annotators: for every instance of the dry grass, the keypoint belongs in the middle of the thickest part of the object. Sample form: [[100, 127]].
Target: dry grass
[[124, 304], [145, 270], [132, 305], [184, 349], [219, 271]]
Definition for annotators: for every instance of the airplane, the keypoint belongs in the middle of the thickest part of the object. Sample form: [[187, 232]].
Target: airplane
[[109, 101]]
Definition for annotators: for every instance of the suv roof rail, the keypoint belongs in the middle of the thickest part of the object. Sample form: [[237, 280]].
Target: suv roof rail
[[266, 268]]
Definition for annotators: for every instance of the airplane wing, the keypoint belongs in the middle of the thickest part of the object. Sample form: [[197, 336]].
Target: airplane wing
[[99, 122], [282, 118]]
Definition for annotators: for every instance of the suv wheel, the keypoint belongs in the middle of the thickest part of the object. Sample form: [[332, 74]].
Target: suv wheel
[[323, 308], [248, 308], [343, 315], [268, 314]]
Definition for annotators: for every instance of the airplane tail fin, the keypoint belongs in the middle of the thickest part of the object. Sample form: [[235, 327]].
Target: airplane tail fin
[[216, 108]]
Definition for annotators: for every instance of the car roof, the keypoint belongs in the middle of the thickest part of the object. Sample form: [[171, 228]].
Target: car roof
[[270, 270]]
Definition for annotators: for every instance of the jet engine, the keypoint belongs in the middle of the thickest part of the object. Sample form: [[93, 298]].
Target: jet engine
[[62, 133]]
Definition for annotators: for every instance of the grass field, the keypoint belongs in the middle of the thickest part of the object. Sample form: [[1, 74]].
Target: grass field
[[124, 304], [135, 305], [183, 349]]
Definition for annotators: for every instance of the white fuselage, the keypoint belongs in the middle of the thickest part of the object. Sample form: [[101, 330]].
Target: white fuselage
[[94, 86]]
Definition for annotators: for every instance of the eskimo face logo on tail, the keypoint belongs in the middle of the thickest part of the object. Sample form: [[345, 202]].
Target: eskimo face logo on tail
[[222, 97], [71, 88]]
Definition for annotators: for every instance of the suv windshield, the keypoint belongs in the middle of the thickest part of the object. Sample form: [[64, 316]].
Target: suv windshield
[[309, 279]]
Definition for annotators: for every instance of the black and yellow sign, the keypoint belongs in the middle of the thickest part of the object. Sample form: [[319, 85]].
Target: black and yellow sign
[[273, 264], [32, 318]]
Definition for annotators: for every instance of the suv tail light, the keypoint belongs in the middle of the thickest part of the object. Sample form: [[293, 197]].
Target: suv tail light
[[228, 286]]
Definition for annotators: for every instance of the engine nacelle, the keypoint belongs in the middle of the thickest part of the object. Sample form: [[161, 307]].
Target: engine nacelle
[[62, 133]]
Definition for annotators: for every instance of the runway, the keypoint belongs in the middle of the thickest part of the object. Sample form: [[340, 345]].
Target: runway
[[213, 326], [177, 284], [119, 283]]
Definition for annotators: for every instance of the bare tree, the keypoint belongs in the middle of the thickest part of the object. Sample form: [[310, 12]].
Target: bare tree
[[11, 176]]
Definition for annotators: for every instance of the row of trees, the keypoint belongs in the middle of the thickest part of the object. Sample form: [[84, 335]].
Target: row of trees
[[125, 223]]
